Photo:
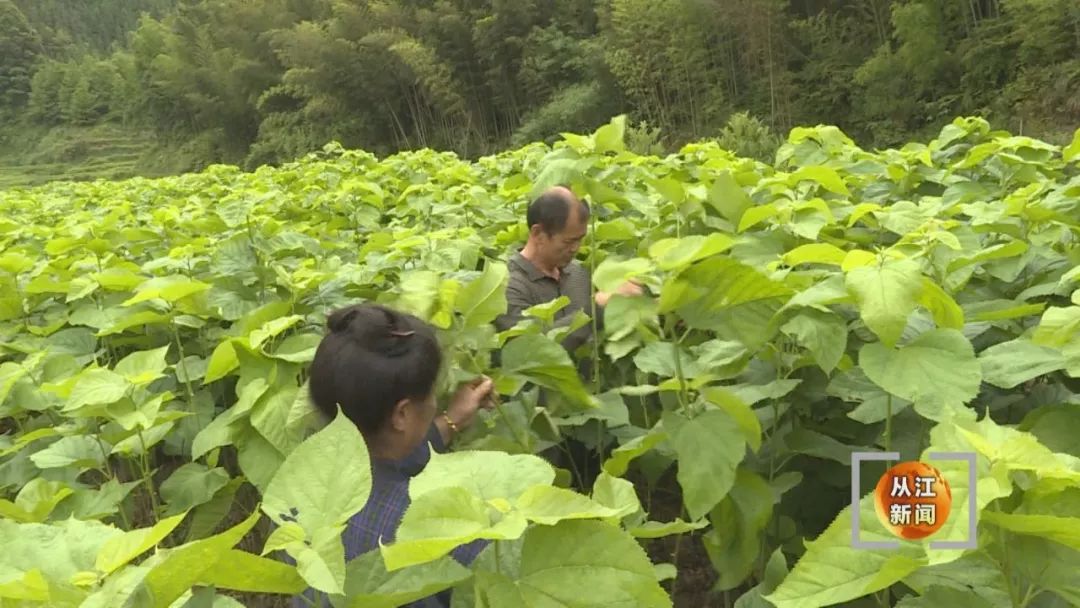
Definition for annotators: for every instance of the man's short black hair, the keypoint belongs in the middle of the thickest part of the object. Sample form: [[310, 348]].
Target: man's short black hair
[[552, 209]]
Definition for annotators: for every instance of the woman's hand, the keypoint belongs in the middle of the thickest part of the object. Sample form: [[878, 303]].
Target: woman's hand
[[469, 398]]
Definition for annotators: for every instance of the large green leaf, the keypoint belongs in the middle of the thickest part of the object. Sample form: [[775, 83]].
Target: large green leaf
[[576, 564], [192, 485], [886, 292], [710, 448], [1009, 364], [82, 451], [538, 359], [324, 481], [487, 475], [437, 522], [369, 585], [823, 334], [120, 550], [484, 298], [186, 565], [58, 552], [548, 505], [97, 386], [936, 371], [734, 542], [143, 367], [242, 571]]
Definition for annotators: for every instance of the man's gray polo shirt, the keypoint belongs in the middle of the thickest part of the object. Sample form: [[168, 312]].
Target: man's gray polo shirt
[[528, 286]]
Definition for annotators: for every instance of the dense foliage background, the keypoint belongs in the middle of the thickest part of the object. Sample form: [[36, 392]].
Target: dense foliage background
[[165, 85], [156, 443]]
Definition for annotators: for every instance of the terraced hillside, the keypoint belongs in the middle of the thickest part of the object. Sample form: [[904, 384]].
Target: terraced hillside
[[104, 152]]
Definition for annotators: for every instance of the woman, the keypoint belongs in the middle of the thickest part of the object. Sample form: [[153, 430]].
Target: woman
[[381, 366]]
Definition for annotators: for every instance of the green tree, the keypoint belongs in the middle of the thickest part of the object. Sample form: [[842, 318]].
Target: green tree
[[20, 46]]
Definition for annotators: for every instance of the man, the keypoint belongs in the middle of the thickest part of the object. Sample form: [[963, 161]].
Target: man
[[545, 269]]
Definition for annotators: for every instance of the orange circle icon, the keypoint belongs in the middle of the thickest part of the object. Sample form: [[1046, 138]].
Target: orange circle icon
[[912, 500]]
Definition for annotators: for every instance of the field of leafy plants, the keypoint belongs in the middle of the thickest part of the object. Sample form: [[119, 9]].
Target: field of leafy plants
[[157, 448]]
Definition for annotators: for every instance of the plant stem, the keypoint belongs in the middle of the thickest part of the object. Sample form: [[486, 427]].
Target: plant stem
[[183, 366], [1006, 566], [145, 461], [104, 455], [684, 399], [1030, 595], [888, 422], [592, 303]]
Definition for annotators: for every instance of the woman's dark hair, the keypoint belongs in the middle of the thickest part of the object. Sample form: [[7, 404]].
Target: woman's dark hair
[[372, 358]]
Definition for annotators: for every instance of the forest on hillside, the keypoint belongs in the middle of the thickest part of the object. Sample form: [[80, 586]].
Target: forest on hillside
[[250, 83]]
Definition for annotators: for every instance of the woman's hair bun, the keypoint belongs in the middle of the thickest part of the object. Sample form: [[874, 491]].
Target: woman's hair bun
[[375, 328]]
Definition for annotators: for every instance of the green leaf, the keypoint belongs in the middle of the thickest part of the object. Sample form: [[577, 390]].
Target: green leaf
[[184, 566], [726, 296], [1072, 151], [484, 298], [936, 371], [613, 272], [728, 197], [119, 550], [946, 596], [143, 367], [171, 289], [576, 564], [739, 411], [609, 138], [1009, 364], [548, 505], [815, 253], [708, 456], [97, 386], [57, 551], [192, 485], [81, 451], [270, 417], [369, 585], [826, 177], [222, 361], [620, 458], [324, 481], [29, 585], [616, 493], [825, 335], [487, 475], [947, 313], [886, 293], [738, 522], [538, 359], [819, 445], [298, 348], [1058, 327], [242, 571], [656, 529], [994, 252], [219, 431], [1063, 530], [775, 571], [437, 522], [673, 253]]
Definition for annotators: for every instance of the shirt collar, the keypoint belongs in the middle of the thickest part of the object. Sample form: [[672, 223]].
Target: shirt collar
[[531, 271]]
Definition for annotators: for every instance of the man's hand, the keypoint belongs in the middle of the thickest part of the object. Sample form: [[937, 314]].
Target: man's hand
[[468, 399], [629, 289]]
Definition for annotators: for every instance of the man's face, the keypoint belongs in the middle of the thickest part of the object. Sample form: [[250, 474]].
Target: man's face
[[561, 247]]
